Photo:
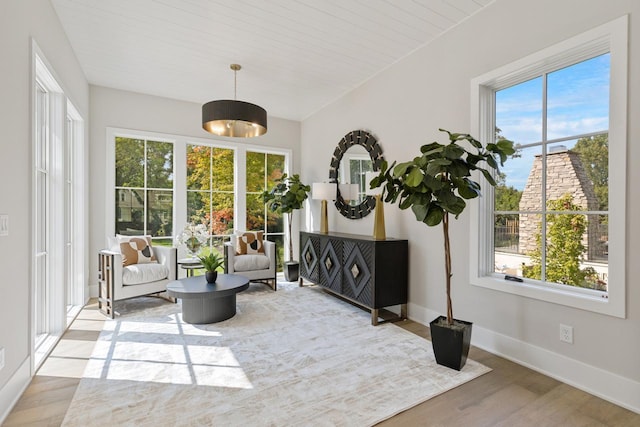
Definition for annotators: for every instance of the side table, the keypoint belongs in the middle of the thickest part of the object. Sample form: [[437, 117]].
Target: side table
[[190, 264]]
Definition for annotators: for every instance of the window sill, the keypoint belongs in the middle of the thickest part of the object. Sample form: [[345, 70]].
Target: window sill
[[583, 299]]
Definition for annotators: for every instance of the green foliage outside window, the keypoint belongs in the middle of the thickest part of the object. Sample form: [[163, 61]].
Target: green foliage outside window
[[564, 248], [594, 154], [144, 187], [210, 188]]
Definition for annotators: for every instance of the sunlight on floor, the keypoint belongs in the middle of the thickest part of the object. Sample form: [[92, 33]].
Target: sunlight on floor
[[168, 352]]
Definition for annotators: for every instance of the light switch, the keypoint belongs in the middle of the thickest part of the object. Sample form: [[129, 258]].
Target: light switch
[[4, 225]]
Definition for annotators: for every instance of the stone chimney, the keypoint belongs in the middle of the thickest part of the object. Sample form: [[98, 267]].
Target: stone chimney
[[565, 175]]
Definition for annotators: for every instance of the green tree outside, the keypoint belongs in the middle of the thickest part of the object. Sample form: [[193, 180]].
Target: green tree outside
[[594, 154], [564, 248]]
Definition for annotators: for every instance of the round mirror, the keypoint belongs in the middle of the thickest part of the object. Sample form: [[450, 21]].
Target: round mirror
[[357, 153]]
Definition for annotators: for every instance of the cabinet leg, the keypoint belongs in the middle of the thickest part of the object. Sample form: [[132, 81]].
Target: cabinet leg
[[374, 316], [403, 311]]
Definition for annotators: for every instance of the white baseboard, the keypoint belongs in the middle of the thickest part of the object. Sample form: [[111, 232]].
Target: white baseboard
[[93, 291], [13, 389], [591, 379]]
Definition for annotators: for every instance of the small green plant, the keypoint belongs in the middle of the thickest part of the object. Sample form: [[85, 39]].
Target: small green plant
[[212, 261]]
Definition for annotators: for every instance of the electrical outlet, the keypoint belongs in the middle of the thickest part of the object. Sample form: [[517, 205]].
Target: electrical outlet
[[1, 358], [566, 333], [4, 225]]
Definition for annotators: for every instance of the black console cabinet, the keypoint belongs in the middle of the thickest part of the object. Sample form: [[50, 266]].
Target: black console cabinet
[[371, 273]]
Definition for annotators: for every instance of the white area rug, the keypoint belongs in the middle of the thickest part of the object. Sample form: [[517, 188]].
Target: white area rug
[[295, 357]]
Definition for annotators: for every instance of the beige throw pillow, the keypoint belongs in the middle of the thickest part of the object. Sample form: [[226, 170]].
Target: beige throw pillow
[[249, 242], [136, 250]]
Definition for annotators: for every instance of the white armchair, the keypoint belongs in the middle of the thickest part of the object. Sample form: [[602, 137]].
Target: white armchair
[[117, 282], [255, 267]]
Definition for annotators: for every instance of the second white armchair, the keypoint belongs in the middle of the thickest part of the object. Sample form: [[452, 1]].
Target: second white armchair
[[257, 267]]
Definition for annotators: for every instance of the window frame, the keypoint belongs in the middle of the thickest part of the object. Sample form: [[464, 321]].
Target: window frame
[[612, 38]]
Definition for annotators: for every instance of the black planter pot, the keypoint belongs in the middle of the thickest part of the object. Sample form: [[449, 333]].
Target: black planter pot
[[211, 276], [291, 271], [450, 343]]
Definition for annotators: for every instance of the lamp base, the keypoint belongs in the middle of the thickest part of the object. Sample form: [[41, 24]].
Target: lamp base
[[378, 220], [324, 218]]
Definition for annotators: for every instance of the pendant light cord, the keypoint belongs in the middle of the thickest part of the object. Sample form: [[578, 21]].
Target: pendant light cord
[[235, 68]]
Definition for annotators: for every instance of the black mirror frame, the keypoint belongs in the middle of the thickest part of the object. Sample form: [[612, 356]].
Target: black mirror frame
[[370, 143]]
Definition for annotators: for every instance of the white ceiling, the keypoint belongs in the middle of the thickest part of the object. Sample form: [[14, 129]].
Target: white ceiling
[[296, 55]]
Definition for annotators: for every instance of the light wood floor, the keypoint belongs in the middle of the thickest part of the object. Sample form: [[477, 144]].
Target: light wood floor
[[509, 395]]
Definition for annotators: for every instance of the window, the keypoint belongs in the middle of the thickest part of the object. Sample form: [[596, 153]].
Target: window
[[144, 188], [262, 170], [210, 190], [58, 218], [162, 182], [555, 221]]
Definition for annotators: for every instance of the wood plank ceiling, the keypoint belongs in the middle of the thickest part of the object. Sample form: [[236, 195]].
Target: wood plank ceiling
[[297, 55]]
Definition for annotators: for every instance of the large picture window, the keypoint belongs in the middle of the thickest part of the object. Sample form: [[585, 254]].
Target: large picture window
[[557, 184], [144, 188], [262, 170], [210, 190], [554, 221]]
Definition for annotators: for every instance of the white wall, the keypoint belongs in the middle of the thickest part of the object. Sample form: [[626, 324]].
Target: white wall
[[20, 21], [406, 104], [129, 110]]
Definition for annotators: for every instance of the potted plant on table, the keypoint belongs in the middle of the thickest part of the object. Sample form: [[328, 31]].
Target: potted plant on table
[[434, 185], [287, 195], [211, 263]]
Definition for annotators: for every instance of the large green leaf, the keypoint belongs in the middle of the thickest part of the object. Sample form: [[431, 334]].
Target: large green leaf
[[466, 190], [453, 151], [434, 216], [433, 183], [506, 146], [420, 211], [401, 169], [430, 149], [458, 168], [414, 177]]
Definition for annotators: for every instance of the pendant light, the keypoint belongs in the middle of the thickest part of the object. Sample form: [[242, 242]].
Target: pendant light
[[234, 118]]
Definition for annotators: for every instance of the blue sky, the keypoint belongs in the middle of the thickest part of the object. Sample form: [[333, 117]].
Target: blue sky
[[577, 103]]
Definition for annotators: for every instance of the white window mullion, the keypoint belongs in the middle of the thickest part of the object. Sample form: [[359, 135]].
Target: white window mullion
[[179, 182], [543, 190], [240, 189]]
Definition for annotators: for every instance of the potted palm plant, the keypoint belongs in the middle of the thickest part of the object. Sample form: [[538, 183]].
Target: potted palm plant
[[211, 262], [434, 185], [287, 195]]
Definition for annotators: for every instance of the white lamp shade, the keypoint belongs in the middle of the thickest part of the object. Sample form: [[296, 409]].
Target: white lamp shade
[[367, 179], [324, 191]]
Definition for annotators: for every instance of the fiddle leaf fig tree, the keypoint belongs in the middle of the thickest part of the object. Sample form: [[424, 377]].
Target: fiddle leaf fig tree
[[438, 181], [287, 195]]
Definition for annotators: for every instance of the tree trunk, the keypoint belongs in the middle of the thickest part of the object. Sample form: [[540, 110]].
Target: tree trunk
[[289, 218], [447, 265]]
